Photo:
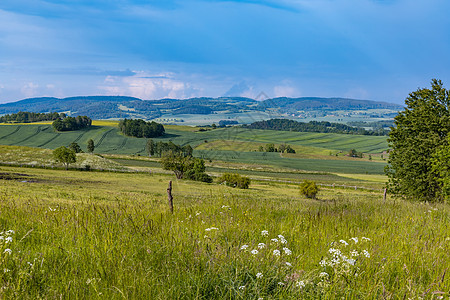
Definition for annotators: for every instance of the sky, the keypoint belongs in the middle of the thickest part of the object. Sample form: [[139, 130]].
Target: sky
[[151, 49]]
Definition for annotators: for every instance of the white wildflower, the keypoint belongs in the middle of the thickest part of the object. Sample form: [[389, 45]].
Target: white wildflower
[[288, 264], [323, 263], [366, 253], [225, 206], [300, 284], [259, 275], [9, 232], [280, 236], [287, 251], [264, 233], [261, 245], [205, 236], [7, 250], [355, 239], [254, 252], [276, 252], [244, 247], [274, 240], [354, 253], [9, 239], [6, 270], [344, 242], [198, 213], [212, 228], [283, 241], [242, 287], [365, 239], [351, 261], [323, 274], [281, 283]]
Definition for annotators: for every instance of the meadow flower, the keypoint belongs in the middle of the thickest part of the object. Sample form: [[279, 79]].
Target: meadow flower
[[366, 253], [244, 247], [259, 275], [344, 242], [288, 264], [212, 228], [8, 239], [283, 241], [287, 251], [264, 233], [351, 261], [323, 274], [355, 239], [280, 236], [7, 250], [254, 252], [281, 283], [300, 284], [198, 213], [10, 232], [225, 206], [365, 239], [261, 245], [323, 263], [276, 252], [354, 253], [274, 240], [242, 287]]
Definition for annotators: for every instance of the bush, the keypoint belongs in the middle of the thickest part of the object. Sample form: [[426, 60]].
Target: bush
[[235, 180], [309, 189]]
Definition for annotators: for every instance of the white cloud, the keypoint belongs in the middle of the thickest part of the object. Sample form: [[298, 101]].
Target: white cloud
[[285, 91], [30, 89], [149, 86]]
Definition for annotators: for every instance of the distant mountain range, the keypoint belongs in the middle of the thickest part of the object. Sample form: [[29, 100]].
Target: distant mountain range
[[116, 107]]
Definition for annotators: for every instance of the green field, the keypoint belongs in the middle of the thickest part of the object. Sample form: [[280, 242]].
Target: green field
[[97, 235], [315, 151]]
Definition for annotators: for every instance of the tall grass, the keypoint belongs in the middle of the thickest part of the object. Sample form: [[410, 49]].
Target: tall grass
[[111, 236]]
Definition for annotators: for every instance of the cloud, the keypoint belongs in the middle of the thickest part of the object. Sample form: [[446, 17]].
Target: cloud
[[149, 87], [239, 89], [30, 89]]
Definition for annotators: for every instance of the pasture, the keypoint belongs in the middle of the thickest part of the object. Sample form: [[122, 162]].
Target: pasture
[[98, 235]]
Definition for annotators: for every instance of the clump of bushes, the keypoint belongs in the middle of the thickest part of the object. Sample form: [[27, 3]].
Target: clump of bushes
[[309, 189], [235, 180]]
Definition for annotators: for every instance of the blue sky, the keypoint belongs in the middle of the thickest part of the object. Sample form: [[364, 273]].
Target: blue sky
[[151, 49]]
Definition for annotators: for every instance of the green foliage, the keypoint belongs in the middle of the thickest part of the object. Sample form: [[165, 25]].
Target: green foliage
[[197, 171], [139, 128], [309, 189], [440, 165], [65, 156], [354, 153], [185, 167], [28, 117], [75, 147], [420, 129], [90, 146], [235, 180], [270, 147], [312, 126], [71, 123]]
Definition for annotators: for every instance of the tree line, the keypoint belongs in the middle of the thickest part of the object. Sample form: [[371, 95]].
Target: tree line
[[29, 117], [72, 123], [140, 128], [312, 126]]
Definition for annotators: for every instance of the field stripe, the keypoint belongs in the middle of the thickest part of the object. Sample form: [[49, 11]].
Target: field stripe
[[48, 141], [9, 134]]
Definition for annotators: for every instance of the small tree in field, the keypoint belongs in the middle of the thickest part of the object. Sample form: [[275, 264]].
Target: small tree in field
[[309, 189], [65, 156], [90, 146]]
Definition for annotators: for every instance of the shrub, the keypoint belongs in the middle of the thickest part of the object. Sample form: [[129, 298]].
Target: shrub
[[235, 180], [309, 188]]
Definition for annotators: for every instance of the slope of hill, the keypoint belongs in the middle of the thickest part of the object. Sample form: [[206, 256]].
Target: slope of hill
[[115, 107]]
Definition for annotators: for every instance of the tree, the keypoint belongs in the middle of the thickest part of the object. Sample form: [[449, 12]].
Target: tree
[[90, 146], [420, 129], [75, 147], [177, 162], [65, 156], [150, 147], [235, 180], [309, 189], [440, 165]]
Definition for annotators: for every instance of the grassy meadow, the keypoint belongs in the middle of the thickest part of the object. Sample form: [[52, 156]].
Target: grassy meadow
[[96, 235]]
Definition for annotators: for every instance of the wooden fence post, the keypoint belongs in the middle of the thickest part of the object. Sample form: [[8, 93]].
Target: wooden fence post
[[384, 195], [169, 195]]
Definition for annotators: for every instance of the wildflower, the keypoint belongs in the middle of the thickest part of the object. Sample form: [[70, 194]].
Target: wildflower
[[300, 284], [366, 239], [8, 239], [323, 274], [9, 232], [355, 239], [274, 240], [2, 237], [287, 251], [198, 213], [344, 242], [351, 261], [280, 236], [6, 270], [244, 247], [281, 283], [254, 252], [354, 253], [7, 250], [366, 253], [261, 245], [323, 263], [264, 233], [212, 228], [276, 252], [334, 251], [205, 236], [242, 287], [225, 206], [283, 241], [288, 264], [259, 275]]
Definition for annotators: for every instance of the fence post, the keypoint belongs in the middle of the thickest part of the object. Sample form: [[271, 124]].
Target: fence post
[[384, 195], [169, 195]]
